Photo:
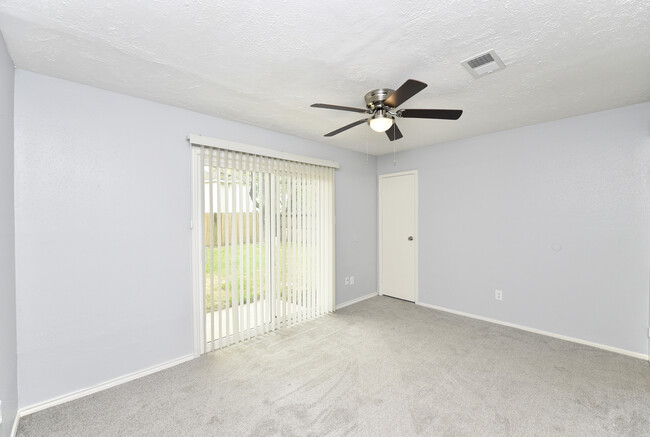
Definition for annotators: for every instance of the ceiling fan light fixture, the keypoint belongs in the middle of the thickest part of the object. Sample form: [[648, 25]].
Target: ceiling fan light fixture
[[380, 122]]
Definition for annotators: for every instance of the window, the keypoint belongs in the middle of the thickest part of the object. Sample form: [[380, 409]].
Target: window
[[263, 243]]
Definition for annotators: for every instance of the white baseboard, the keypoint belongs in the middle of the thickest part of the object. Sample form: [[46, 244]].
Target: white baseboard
[[102, 386], [539, 331], [353, 301], [14, 429]]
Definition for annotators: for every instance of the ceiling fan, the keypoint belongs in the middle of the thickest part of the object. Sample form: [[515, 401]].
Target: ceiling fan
[[381, 104]]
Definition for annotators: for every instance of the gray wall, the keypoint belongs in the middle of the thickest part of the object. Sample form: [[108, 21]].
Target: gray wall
[[556, 215], [102, 236], [8, 375]]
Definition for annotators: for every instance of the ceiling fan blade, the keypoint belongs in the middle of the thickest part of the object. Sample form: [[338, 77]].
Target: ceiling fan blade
[[408, 89], [344, 128], [394, 133], [443, 114], [340, 108]]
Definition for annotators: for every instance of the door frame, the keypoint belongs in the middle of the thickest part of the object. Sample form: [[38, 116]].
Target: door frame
[[197, 227], [380, 178]]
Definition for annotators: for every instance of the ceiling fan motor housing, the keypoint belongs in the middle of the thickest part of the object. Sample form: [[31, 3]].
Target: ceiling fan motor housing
[[375, 98]]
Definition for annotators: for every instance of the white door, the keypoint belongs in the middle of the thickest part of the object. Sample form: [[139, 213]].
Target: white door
[[398, 225]]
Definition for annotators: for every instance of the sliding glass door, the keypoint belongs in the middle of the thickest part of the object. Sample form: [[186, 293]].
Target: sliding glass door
[[267, 243]]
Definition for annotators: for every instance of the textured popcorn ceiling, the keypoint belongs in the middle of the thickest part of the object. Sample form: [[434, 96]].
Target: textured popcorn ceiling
[[265, 62]]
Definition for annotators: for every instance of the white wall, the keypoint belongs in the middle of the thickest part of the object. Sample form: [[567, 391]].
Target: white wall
[[556, 215], [102, 235], [8, 375]]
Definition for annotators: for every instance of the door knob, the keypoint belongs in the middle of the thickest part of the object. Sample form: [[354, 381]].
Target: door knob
[[411, 238]]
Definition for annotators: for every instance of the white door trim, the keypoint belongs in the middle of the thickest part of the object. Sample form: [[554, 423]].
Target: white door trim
[[417, 234], [197, 225]]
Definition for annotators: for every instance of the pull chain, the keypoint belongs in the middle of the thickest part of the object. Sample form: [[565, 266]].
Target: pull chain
[[394, 161], [366, 149]]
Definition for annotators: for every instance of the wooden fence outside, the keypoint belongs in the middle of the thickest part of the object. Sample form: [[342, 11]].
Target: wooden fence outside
[[225, 220]]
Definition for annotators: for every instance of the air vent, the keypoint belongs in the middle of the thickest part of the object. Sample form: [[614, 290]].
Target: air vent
[[481, 60], [483, 63]]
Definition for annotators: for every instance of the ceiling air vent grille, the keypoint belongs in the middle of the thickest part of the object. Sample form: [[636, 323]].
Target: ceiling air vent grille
[[483, 63], [481, 60]]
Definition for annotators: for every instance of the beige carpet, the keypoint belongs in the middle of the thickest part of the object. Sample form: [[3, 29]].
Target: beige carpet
[[380, 367]]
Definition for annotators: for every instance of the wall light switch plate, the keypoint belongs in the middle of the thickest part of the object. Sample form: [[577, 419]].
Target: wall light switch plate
[[351, 280], [347, 280]]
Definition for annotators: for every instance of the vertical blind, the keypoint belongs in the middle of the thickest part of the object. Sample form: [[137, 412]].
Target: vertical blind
[[268, 243]]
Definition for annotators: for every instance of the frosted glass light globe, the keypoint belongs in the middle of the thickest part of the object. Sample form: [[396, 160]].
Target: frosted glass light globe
[[381, 123]]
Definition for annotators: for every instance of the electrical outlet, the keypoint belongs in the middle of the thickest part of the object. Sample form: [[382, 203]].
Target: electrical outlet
[[498, 294], [347, 280], [351, 280]]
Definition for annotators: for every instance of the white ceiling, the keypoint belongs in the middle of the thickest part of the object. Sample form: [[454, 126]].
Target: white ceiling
[[264, 62]]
